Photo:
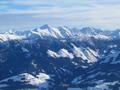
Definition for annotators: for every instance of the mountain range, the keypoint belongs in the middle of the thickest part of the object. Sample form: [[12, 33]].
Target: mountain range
[[59, 58]]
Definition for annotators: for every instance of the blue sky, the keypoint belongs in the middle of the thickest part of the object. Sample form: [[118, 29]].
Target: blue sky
[[28, 14]]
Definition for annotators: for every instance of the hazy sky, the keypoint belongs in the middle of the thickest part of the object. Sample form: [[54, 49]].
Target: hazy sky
[[27, 14]]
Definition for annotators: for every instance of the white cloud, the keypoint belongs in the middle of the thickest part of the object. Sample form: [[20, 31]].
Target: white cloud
[[30, 2], [94, 13]]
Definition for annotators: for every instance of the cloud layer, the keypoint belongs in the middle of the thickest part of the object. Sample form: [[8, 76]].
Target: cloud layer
[[22, 14]]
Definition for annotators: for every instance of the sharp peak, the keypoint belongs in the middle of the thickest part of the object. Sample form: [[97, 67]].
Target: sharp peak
[[46, 26]]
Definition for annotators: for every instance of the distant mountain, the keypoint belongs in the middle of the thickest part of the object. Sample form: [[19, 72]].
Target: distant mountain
[[70, 57]]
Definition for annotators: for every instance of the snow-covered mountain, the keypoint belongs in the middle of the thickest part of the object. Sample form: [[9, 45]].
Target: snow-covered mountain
[[70, 57], [47, 31], [102, 75]]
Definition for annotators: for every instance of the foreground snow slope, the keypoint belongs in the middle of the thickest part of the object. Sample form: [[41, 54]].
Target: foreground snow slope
[[25, 78]]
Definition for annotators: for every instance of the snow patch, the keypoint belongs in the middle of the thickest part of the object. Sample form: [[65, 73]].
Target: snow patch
[[61, 53], [28, 79]]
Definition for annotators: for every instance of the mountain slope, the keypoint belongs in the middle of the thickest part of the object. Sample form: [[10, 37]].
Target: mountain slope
[[25, 79], [60, 53], [103, 75]]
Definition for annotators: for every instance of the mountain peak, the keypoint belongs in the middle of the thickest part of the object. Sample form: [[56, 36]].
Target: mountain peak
[[90, 30], [46, 26]]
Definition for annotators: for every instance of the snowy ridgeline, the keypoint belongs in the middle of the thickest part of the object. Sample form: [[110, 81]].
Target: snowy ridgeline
[[46, 31], [84, 53]]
